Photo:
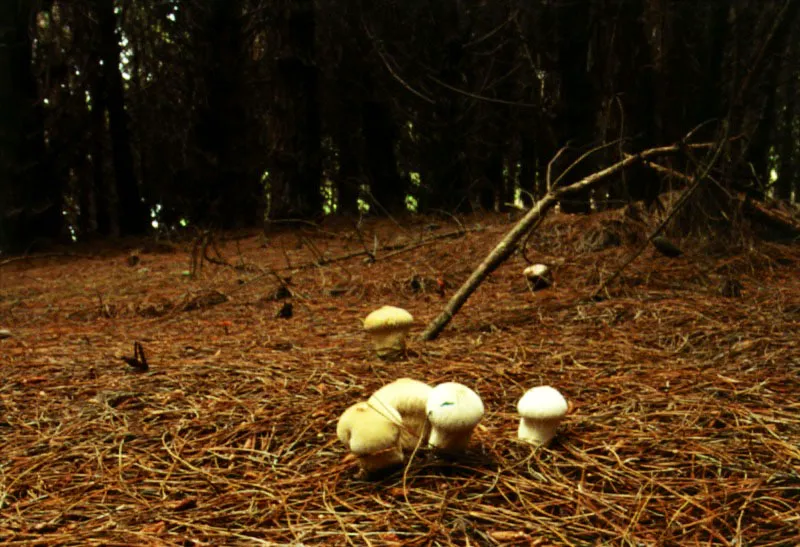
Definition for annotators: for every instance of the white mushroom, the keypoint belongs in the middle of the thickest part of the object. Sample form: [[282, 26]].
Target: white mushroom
[[453, 411], [408, 397], [541, 409], [388, 327], [538, 276], [372, 435]]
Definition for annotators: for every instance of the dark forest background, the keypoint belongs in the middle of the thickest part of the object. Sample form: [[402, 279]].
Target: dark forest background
[[221, 113]]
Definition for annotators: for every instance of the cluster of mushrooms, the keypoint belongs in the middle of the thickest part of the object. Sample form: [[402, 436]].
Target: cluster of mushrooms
[[407, 414]]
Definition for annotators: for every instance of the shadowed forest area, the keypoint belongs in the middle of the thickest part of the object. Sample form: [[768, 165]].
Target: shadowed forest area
[[201, 201], [221, 113]]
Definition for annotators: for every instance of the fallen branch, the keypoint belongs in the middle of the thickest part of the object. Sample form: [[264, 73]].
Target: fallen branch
[[509, 243], [682, 201], [395, 248]]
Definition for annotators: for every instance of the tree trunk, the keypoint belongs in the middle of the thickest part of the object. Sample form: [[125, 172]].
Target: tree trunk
[[130, 210], [348, 175], [224, 129], [30, 198], [787, 140], [528, 168], [345, 121], [632, 101], [380, 135], [296, 159], [575, 120]]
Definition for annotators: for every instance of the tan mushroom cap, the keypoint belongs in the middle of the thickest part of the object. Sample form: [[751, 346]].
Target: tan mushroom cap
[[366, 430], [408, 397], [388, 318]]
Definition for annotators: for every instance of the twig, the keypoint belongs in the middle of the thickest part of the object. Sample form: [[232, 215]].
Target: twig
[[684, 198], [509, 243]]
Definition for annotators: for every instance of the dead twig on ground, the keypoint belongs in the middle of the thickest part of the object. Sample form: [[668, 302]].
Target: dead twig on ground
[[509, 243], [682, 201]]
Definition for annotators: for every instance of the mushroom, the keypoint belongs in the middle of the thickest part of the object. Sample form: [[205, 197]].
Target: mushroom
[[372, 435], [453, 410], [388, 327], [538, 276], [541, 409], [408, 397]]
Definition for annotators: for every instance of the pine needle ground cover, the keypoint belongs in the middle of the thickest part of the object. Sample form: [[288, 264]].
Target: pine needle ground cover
[[683, 428]]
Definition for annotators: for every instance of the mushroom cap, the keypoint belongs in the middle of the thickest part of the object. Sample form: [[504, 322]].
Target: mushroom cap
[[535, 270], [454, 406], [366, 430], [542, 403], [406, 395], [388, 318]]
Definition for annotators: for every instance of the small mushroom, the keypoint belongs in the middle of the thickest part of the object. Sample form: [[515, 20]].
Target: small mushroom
[[541, 409], [453, 411], [408, 397], [388, 327], [372, 435], [538, 277], [666, 247]]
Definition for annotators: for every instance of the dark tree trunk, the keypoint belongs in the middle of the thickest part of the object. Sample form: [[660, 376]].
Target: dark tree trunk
[[223, 133], [788, 140], [348, 175], [491, 189], [296, 159], [763, 138], [632, 101], [106, 225], [30, 197], [509, 181], [380, 135], [575, 119], [528, 168], [346, 122], [131, 211], [443, 159]]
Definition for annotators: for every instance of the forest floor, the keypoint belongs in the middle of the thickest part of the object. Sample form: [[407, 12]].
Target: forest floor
[[684, 422]]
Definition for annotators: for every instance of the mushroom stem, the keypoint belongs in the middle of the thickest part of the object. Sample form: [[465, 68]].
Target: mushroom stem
[[379, 461], [450, 440], [389, 342], [541, 410], [539, 432], [453, 412]]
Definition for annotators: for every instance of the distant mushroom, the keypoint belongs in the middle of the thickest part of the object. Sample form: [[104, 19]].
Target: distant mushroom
[[388, 327], [666, 247], [372, 435], [541, 409], [453, 411], [538, 277], [408, 397]]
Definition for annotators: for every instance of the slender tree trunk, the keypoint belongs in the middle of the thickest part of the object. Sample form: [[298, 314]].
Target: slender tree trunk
[[788, 141], [131, 211], [106, 225], [346, 122], [632, 103], [224, 129], [30, 197], [295, 129], [528, 169], [348, 176], [380, 135], [575, 121]]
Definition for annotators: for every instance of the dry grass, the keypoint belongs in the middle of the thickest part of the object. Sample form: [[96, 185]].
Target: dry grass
[[684, 427]]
